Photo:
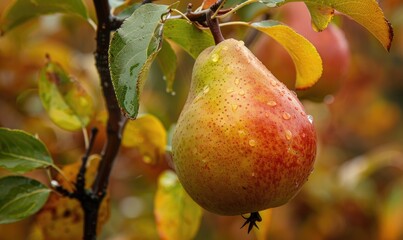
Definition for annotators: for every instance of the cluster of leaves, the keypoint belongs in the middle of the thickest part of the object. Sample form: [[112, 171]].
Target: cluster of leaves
[[138, 41], [21, 196], [148, 33]]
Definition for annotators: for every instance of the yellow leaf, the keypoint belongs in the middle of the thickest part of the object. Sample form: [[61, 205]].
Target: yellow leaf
[[177, 215], [147, 135], [306, 59], [365, 12], [67, 103]]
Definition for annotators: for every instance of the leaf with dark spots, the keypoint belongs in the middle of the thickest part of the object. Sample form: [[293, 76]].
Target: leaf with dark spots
[[65, 100], [133, 49]]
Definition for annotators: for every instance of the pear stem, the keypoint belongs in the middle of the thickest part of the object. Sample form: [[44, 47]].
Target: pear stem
[[214, 26]]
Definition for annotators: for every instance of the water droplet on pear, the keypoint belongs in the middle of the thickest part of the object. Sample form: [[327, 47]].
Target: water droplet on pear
[[286, 116], [288, 134], [215, 57]]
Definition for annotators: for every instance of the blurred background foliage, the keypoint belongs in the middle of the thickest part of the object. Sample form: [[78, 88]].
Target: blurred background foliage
[[355, 191]]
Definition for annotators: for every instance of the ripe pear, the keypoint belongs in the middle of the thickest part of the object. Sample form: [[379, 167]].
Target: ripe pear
[[243, 142]]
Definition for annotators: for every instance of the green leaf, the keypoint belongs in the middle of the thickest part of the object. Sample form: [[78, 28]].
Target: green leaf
[[133, 48], [188, 36], [125, 9], [272, 3], [167, 60], [365, 12], [67, 103], [22, 11], [20, 197], [20, 152], [306, 59], [231, 3], [177, 215]]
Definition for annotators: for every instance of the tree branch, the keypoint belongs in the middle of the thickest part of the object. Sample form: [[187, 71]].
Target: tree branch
[[91, 199], [112, 144]]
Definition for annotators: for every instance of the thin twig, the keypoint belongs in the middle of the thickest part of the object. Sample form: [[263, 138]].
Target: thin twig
[[214, 28], [218, 5], [85, 136], [181, 14], [200, 16], [80, 180]]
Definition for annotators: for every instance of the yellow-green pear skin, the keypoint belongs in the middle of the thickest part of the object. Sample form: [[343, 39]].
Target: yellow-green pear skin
[[243, 142]]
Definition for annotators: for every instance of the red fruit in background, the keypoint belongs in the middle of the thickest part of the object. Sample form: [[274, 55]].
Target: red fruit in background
[[331, 45]]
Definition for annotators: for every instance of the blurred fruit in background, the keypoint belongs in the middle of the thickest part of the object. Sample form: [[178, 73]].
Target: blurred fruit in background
[[331, 45]]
